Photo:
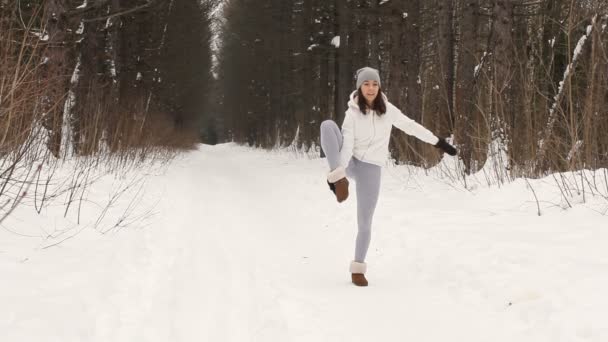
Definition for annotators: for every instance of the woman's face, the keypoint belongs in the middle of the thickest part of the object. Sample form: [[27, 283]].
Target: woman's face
[[370, 91]]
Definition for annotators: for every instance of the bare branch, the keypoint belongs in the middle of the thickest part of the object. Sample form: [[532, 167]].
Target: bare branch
[[123, 12], [78, 11]]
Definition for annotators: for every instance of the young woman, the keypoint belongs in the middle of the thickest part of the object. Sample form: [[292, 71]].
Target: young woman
[[359, 151]]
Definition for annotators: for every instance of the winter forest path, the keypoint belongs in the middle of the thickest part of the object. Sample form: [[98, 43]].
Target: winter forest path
[[251, 246], [271, 250]]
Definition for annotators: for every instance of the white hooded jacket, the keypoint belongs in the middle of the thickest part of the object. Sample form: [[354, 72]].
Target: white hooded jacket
[[366, 137]]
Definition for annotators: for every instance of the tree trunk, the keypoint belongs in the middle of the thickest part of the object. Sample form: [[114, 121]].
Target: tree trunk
[[58, 71], [344, 60], [464, 92]]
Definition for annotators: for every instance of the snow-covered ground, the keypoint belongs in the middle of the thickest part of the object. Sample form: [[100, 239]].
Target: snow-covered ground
[[236, 244]]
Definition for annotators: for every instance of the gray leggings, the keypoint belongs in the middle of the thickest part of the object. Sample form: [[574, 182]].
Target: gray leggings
[[367, 180]]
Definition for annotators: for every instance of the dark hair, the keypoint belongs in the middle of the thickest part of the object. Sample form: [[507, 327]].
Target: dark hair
[[378, 105]]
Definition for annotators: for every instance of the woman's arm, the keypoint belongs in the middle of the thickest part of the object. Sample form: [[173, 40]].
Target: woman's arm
[[410, 126]]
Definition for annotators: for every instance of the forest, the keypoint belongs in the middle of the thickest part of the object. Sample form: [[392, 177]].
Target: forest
[[522, 84], [98, 77]]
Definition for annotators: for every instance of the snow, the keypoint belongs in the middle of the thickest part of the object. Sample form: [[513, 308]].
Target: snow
[[478, 66], [230, 243], [42, 35], [80, 29], [113, 70], [76, 73], [579, 47], [574, 150], [336, 41]]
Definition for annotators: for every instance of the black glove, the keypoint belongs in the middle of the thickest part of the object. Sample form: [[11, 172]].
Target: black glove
[[332, 187], [446, 147]]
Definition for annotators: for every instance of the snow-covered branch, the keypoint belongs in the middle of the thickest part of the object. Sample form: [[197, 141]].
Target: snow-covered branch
[[560, 93]]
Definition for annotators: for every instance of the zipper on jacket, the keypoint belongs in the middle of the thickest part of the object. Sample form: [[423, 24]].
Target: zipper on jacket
[[373, 114]]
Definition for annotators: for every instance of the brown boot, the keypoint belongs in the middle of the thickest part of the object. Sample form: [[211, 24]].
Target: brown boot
[[338, 183], [359, 279], [341, 190], [357, 270]]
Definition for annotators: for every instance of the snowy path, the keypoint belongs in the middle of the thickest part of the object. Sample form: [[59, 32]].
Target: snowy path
[[250, 246]]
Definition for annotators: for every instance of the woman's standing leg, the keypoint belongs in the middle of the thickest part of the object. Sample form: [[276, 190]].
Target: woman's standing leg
[[367, 176], [368, 190]]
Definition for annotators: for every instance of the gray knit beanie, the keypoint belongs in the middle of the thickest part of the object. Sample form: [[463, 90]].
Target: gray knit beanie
[[367, 74]]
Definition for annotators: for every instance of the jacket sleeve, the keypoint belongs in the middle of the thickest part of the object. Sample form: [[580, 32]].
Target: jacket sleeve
[[348, 139], [411, 127]]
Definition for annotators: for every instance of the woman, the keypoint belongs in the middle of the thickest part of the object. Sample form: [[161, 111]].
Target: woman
[[360, 150]]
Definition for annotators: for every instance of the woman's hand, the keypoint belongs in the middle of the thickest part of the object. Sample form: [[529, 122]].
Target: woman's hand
[[446, 147]]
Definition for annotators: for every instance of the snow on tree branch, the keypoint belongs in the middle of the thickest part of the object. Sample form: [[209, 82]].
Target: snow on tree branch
[[560, 93]]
